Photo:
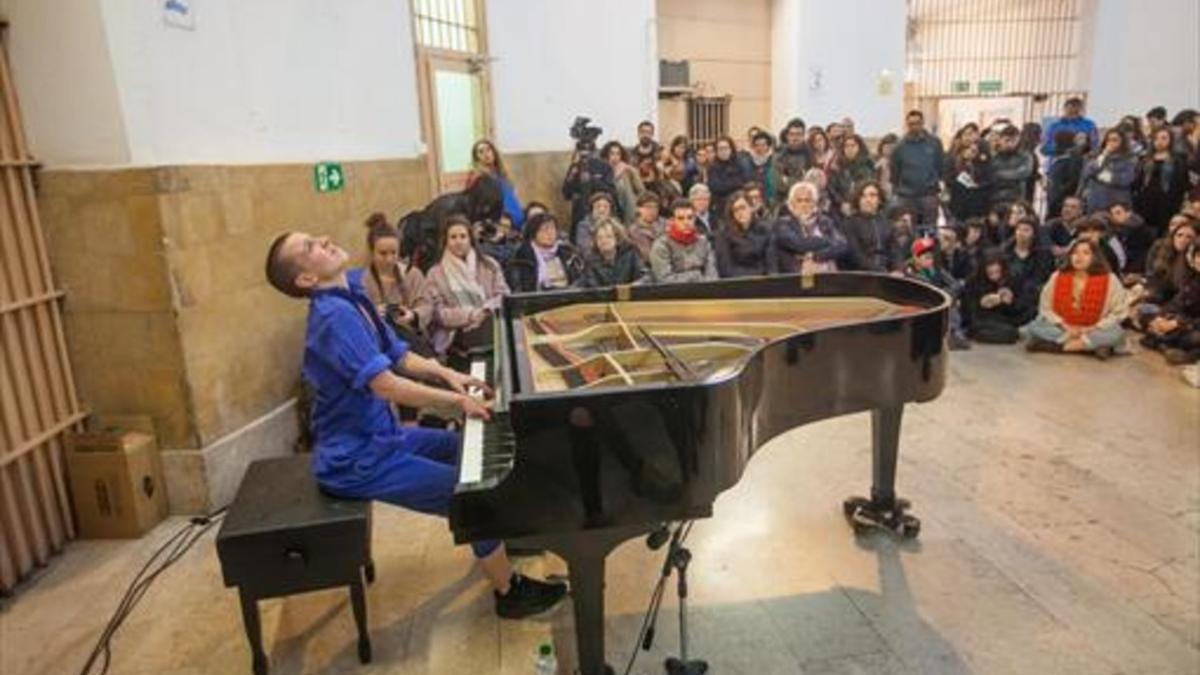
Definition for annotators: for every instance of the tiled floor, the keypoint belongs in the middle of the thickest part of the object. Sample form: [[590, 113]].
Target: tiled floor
[[1061, 506]]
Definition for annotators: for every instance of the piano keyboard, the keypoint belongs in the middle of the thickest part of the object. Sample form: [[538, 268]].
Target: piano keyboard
[[488, 448]]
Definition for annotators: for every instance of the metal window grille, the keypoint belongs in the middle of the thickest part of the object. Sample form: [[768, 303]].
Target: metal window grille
[[447, 24], [708, 118]]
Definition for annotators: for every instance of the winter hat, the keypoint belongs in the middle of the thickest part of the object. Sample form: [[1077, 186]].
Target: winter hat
[[922, 246]]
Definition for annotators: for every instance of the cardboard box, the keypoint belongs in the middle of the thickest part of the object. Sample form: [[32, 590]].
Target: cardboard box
[[116, 483]]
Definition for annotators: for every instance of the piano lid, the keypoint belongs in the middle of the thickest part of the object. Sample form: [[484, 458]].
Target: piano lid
[[629, 343]]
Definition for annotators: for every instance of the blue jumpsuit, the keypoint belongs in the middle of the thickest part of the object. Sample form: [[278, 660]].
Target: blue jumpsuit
[[361, 451]]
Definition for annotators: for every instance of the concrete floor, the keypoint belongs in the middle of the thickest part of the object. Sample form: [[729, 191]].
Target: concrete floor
[[1061, 506]]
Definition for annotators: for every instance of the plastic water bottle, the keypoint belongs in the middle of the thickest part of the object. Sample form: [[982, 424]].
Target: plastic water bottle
[[545, 664]]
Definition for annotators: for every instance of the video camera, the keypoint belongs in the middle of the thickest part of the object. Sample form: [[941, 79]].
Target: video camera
[[584, 133]]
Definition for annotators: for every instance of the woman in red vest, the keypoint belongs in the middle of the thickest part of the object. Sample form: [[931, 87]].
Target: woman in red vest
[[1081, 308]]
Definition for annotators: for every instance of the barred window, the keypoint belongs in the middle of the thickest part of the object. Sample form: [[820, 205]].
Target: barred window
[[707, 118], [447, 24]]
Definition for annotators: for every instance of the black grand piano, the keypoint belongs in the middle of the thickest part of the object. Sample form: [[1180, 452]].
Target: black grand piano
[[622, 408]]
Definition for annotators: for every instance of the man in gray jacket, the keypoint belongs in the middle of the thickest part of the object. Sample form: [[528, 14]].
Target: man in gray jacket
[[1011, 168], [916, 168]]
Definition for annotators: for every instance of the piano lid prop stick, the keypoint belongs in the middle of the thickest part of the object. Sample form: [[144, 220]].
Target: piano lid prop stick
[[679, 368]]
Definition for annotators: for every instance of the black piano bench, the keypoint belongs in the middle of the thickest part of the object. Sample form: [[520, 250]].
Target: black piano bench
[[282, 535]]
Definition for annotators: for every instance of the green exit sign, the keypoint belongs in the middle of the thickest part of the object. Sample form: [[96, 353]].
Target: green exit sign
[[990, 86], [960, 87], [328, 177]]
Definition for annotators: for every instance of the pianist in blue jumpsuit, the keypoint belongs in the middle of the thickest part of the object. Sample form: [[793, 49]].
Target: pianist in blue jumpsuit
[[361, 451]]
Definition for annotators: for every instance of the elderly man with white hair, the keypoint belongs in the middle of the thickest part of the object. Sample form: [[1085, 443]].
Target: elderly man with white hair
[[804, 239], [701, 199]]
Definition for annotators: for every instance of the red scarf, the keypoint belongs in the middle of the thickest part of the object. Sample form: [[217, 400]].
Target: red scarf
[[1091, 303], [681, 234]]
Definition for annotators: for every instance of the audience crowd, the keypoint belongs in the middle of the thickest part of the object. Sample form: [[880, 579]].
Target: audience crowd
[[1075, 238]]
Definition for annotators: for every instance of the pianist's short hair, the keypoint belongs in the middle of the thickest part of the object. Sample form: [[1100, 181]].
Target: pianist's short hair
[[282, 271]]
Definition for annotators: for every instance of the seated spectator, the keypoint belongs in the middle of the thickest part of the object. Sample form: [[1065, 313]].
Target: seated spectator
[[903, 234], [1061, 230], [1081, 306], [758, 200], [741, 246], [1062, 173], [762, 165], [952, 255], [922, 265], [679, 166], [868, 234], [533, 208], [392, 284], [1133, 233], [626, 180], [854, 168], [682, 255], [701, 200], [1176, 330], [613, 260], [1166, 267], [804, 239], [600, 206], [486, 161], [655, 181], [1095, 230], [726, 175], [543, 262], [974, 240], [1108, 176], [883, 163], [1027, 262], [996, 304], [498, 240], [460, 292], [648, 227], [791, 160]]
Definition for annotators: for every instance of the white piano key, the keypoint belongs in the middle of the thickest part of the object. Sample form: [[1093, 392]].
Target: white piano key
[[471, 463]]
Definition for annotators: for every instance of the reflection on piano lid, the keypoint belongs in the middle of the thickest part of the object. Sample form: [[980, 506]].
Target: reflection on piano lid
[[626, 344]]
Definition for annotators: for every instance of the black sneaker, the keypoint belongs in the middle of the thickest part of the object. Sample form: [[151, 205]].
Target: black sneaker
[[526, 597]]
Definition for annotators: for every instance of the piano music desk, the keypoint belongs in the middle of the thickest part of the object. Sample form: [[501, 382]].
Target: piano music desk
[[282, 535]]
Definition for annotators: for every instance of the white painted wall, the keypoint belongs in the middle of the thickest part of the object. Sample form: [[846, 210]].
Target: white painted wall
[[1142, 54], [828, 57], [60, 63], [556, 59], [266, 81]]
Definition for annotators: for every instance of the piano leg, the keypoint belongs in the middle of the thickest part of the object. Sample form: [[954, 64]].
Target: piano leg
[[883, 510], [585, 554]]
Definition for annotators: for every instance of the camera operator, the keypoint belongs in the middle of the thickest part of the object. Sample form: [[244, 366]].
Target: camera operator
[[587, 173]]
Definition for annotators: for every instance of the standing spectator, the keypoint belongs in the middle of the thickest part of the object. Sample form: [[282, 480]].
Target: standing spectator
[[1081, 307], [791, 161], [996, 304], [805, 240], [1156, 118], [679, 166], [587, 175], [704, 158], [613, 261], [1063, 172], [726, 175], [393, 285], [916, 169], [761, 162], [967, 182], [855, 167], [682, 255], [1108, 176], [822, 153], [648, 227], [486, 161], [1162, 180], [868, 232], [1030, 133], [883, 164], [1011, 168], [460, 292], [647, 147], [626, 179], [1072, 120], [654, 180], [544, 262], [741, 246], [1131, 127]]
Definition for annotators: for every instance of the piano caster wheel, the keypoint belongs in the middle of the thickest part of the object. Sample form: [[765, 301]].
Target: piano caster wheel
[[863, 515], [364, 651]]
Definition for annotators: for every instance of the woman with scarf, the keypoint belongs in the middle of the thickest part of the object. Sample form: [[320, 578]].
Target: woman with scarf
[[460, 292], [613, 261], [742, 244], [544, 262], [394, 285], [486, 161], [681, 254], [1081, 306], [1162, 180]]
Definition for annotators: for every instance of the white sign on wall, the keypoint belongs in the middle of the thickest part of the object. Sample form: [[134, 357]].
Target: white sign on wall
[[179, 14]]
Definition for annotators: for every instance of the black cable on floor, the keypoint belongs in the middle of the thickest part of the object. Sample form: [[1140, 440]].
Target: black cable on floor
[[174, 548], [655, 600]]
